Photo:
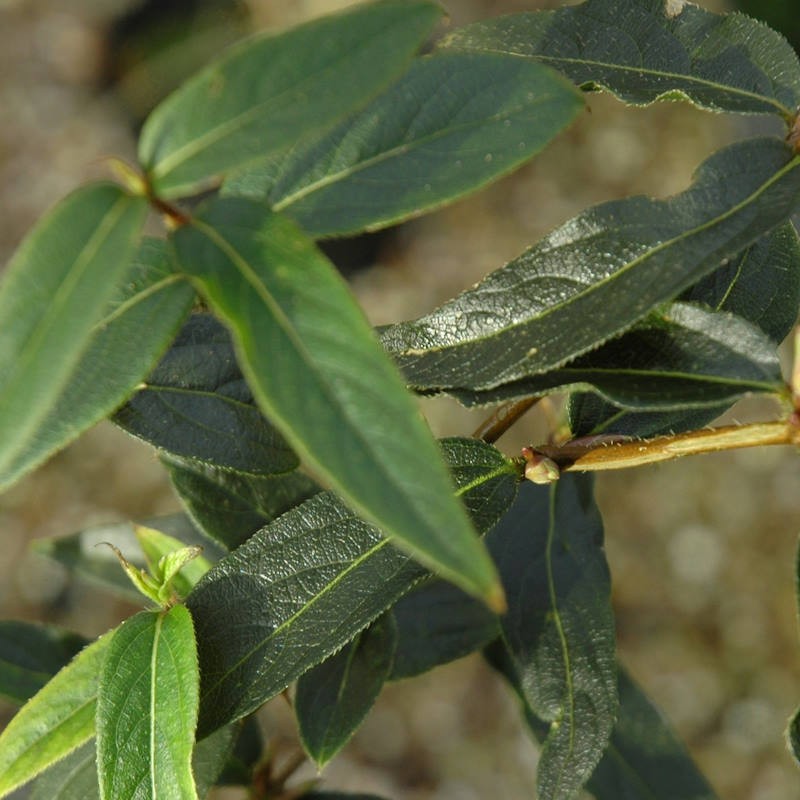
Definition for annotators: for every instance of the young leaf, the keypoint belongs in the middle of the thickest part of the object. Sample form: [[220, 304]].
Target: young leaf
[[761, 284], [196, 405], [644, 759], [332, 699], [598, 274], [229, 506], [56, 720], [647, 50], [453, 123], [55, 289], [559, 629], [260, 98], [437, 623], [305, 585], [136, 326], [31, 654], [170, 558], [147, 708], [682, 357], [318, 372], [72, 778]]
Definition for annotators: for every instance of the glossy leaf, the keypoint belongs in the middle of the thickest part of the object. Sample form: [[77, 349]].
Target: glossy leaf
[[559, 629], [332, 699], [284, 600], [197, 406], [230, 507], [318, 373], [55, 289], [147, 708], [598, 274], [453, 123], [683, 357], [260, 98], [647, 50], [72, 778], [55, 721], [138, 323], [644, 759], [761, 284], [438, 623], [30, 654], [87, 555]]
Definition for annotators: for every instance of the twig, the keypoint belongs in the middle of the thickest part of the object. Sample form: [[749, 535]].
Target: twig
[[493, 427]]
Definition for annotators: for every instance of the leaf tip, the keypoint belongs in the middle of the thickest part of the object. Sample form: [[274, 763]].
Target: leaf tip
[[495, 599]]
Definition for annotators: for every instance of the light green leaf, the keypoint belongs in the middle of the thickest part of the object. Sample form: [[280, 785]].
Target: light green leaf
[[72, 778], [260, 97], [147, 704], [56, 288], [681, 357], [196, 405], [55, 721], [302, 587], [30, 654], [332, 699], [598, 274], [453, 123], [646, 50], [559, 629], [136, 326], [319, 374], [171, 560]]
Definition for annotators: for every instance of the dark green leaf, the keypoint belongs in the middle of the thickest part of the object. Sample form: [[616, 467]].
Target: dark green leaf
[[598, 274], [211, 755], [230, 507], [260, 97], [147, 708], [642, 51], [559, 629], [644, 759], [318, 372], [305, 585], [332, 699], [454, 122], [438, 623], [56, 288], [683, 357], [55, 721], [30, 654], [247, 753], [87, 555], [761, 284], [138, 323], [196, 405], [72, 778]]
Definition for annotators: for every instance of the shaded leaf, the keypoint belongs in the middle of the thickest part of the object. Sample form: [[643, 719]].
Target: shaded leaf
[[318, 372], [55, 721], [248, 750], [196, 405], [761, 284], [646, 50], [210, 756], [305, 585], [598, 274], [230, 507], [644, 759], [332, 699], [559, 629], [136, 326], [793, 731], [147, 703], [54, 290], [683, 357], [85, 553], [30, 654], [339, 796], [72, 778], [453, 123], [438, 623], [260, 97]]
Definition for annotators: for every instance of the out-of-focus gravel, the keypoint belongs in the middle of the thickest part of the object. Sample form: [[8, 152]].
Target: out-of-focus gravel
[[701, 552]]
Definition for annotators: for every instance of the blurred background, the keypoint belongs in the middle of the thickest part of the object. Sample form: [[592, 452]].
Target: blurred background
[[701, 551]]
